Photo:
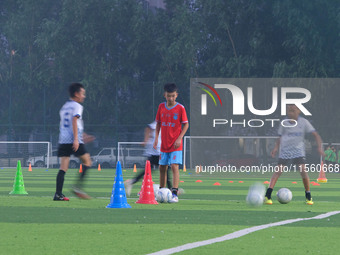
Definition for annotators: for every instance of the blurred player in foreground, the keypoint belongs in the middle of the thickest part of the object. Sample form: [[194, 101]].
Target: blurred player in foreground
[[71, 141], [151, 153]]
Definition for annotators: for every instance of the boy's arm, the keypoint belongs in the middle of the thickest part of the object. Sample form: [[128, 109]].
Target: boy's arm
[[147, 132], [276, 148], [88, 138], [319, 143], [75, 145], [180, 137], [158, 128]]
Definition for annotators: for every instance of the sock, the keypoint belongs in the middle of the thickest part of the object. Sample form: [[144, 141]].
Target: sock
[[82, 175], [60, 182], [308, 195], [269, 193], [174, 191]]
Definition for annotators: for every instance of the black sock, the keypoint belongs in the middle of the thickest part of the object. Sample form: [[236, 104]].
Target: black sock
[[174, 191], [269, 193], [60, 182], [82, 176], [308, 195]]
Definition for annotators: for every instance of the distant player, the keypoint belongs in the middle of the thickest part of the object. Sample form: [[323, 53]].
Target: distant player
[[170, 118], [151, 153], [292, 150], [71, 141], [328, 154]]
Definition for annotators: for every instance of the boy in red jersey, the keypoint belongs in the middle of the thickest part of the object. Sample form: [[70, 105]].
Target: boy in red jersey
[[170, 118]]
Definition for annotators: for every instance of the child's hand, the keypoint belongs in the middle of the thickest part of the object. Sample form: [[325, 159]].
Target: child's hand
[[155, 143], [273, 153], [321, 152], [177, 143], [75, 145], [88, 138]]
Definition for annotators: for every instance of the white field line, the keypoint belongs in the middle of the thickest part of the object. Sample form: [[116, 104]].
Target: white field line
[[238, 234]]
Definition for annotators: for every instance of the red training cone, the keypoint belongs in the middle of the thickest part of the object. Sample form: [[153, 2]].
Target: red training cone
[[147, 195]]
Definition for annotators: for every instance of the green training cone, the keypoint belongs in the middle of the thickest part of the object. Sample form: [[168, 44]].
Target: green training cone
[[18, 186]]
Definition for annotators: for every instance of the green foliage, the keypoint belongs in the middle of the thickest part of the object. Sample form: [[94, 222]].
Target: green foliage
[[114, 47]]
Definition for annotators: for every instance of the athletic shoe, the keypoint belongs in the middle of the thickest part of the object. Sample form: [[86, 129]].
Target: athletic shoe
[[60, 197], [268, 201], [128, 186], [174, 199], [309, 202], [79, 193]]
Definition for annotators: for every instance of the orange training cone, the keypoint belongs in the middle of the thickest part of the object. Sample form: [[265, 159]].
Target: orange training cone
[[184, 168], [322, 175], [81, 168], [99, 168], [134, 168], [30, 168], [147, 195]]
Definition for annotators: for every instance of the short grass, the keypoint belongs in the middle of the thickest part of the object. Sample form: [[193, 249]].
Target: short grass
[[34, 224]]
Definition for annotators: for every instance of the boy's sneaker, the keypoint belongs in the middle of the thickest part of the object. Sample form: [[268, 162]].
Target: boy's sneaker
[[128, 186], [79, 193], [268, 201], [174, 199], [309, 202], [61, 197]]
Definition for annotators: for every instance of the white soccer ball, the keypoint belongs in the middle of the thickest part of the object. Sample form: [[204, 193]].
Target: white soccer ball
[[284, 195], [164, 195], [255, 195]]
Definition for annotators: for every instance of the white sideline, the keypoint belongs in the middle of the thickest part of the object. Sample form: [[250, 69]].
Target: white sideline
[[237, 234]]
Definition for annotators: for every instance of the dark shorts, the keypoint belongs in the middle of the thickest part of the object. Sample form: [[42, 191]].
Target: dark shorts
[[294, 161], [65, 150], [154, 159]]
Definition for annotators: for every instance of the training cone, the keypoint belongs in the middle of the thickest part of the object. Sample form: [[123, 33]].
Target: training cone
[[147, 195], [18, 186], [322, 176], [30, 168], [99, 168], [81, 168], [134, 168], [184, 169], [118, 197]]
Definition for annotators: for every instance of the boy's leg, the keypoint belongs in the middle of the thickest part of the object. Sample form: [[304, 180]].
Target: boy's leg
[[162, 175], [175, 161], [168, 180], [272, 183], [64, 162], [129, 183], [86, 161], [306, 183], [175, 178], [163, 168]]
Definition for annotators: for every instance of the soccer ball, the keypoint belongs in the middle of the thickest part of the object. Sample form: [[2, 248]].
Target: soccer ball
[[284, 196], [164, 195], [255, 195]]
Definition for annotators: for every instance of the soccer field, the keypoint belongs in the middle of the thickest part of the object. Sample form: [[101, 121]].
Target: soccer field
[[34, 224]]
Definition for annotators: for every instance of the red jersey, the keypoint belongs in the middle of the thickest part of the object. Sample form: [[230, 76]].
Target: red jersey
[[171, 120]]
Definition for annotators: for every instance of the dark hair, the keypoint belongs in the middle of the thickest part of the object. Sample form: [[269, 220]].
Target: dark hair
[[74, 88], [170, 87]]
